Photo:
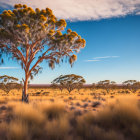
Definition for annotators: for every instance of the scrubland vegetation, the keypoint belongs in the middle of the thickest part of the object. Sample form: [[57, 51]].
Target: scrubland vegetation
[[76, 116], [67, 110]]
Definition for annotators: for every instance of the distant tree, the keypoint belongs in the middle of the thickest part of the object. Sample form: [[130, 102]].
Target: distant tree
[[132, 85], [7, 83], [106, 84], [33, 36], [70, 82]]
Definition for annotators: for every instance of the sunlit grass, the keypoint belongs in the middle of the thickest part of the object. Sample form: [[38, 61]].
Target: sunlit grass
[[71, 117]]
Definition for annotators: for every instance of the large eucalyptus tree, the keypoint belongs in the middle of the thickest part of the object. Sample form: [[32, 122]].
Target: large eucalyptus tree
[[31, 36]]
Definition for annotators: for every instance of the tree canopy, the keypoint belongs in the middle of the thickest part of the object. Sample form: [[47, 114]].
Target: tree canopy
[[7, 79], [31, 36], [70, 82]]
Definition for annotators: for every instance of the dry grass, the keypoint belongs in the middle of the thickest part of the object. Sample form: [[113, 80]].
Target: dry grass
[[18, 130], [3, 101], [28, 113], [116, 118], [58, 128], [119, 119], [3, 131], [52, 110]]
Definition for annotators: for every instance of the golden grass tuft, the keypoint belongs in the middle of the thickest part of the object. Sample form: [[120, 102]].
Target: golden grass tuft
[[3, 130], [18, 130], [58, 129], [27, 113]]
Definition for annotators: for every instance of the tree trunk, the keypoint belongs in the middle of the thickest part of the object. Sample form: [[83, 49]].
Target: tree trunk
[[24, 92]]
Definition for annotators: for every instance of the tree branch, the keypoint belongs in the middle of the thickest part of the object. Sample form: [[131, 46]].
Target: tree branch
[[43, 57], [21, 55]]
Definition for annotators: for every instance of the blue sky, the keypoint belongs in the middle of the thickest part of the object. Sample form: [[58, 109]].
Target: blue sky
[[112, 51]]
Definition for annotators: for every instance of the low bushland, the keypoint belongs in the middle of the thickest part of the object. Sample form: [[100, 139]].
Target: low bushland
[[118, 119]]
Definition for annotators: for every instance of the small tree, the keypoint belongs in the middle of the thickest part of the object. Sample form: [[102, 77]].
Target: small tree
[[33, 36], [106, 84], [70, 82], [132, 85], [7, 83]]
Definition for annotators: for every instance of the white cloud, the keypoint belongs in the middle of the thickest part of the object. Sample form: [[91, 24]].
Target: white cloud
[[138, 13], [104, 57], [92, 60], [96, 59], [9, 67], [84, 9]]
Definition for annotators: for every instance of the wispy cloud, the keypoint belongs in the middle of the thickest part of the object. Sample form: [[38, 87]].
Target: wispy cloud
[[104, 57], [83, 9], [138, 13], [96, 59], [92, 60], [9, 67]]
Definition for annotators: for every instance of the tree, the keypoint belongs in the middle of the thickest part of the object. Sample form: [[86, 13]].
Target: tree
[[31, 37], [132, 85], [106, 84], [70, 82], [7, 83]]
